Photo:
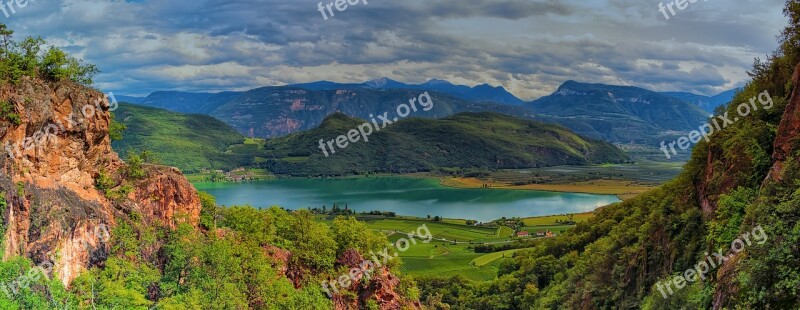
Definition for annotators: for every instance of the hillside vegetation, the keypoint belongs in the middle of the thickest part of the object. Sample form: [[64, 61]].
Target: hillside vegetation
[[745, 178], [467, 140], [190, 142]]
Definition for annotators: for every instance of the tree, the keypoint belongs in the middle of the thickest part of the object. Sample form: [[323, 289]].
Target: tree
[[116, 129]]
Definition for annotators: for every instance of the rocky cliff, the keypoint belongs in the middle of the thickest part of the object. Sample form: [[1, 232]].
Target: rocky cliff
[[55, 145], [787, 142]]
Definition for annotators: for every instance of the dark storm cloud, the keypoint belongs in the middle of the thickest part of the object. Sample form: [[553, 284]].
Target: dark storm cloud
[[529, 46]]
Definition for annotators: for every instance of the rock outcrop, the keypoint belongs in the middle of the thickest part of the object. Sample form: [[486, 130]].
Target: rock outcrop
[[787, 141], [51, 153], [380, 287]]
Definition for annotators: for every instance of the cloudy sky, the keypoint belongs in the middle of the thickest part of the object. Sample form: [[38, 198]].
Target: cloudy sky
[[528, 46]]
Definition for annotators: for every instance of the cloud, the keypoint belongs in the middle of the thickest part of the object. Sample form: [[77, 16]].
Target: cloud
[[528, 46]]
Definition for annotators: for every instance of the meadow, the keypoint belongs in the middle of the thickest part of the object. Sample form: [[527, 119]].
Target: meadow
[[450, 252]]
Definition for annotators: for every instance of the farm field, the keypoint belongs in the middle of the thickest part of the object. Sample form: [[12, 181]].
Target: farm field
[[450, 253], [443, 231], [554, 219], [487, 259], [444, 259], [544, 228]]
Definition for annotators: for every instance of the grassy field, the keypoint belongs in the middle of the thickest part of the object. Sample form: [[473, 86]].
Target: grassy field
[[623, 189], [441, 230], [555, 219], [544, 228], [505, 232], [486, 259], [438, 257], [443, 259]]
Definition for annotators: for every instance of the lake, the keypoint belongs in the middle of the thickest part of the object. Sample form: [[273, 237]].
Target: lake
[[406, 196]]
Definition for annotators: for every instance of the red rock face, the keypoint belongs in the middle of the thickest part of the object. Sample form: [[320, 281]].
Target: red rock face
[[787, 141], [48, 165], [381, 287], [167, 197]]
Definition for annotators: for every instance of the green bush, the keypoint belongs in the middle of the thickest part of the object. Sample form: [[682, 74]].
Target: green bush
[[27, 58], [116, 129], [8, 112], [134, 169]]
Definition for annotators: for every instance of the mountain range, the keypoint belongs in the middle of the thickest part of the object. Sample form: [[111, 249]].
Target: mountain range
[[618, 113], [480, 93], [707, 103], [613, 113]]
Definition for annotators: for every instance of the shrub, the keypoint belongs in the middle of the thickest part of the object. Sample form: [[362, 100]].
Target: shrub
[[134, 169], [27, 58], [115, 129], [8, 112]]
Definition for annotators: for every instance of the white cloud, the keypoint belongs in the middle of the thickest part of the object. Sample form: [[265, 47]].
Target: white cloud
[[528, 46]]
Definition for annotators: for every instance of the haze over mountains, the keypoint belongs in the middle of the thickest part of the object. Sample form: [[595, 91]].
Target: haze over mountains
[[707, 103]]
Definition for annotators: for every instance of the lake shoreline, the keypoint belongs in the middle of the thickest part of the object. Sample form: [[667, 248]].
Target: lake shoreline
[[410, 195], [623, 189]]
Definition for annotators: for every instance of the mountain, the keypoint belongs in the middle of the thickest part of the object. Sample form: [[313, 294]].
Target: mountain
[[618, 113], [207, 103], [480, 93], [722, 235], [177, 101], [189, 141], [465, 140], [129, 99], [276, 111], [707, 103]]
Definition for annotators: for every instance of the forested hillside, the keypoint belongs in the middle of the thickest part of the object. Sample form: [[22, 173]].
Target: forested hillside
[[742, 184], [465, 140], [190, 142]]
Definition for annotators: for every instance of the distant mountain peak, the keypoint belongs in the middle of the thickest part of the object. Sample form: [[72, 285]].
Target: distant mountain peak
[[380, 83], [436, 81]]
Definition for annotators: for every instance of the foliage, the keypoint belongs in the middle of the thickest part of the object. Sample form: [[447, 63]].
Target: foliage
[[116, 129], [8, 112], [467, 140], [134, 168], [208, 213], [615, 259], [189, 142], [104, 183], [31, 57]]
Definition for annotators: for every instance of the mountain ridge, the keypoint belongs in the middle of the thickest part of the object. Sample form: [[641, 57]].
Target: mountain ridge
[[621, 114], [464, 140]]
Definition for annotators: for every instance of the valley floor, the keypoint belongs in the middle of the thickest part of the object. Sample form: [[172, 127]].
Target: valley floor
[[623, 189]]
